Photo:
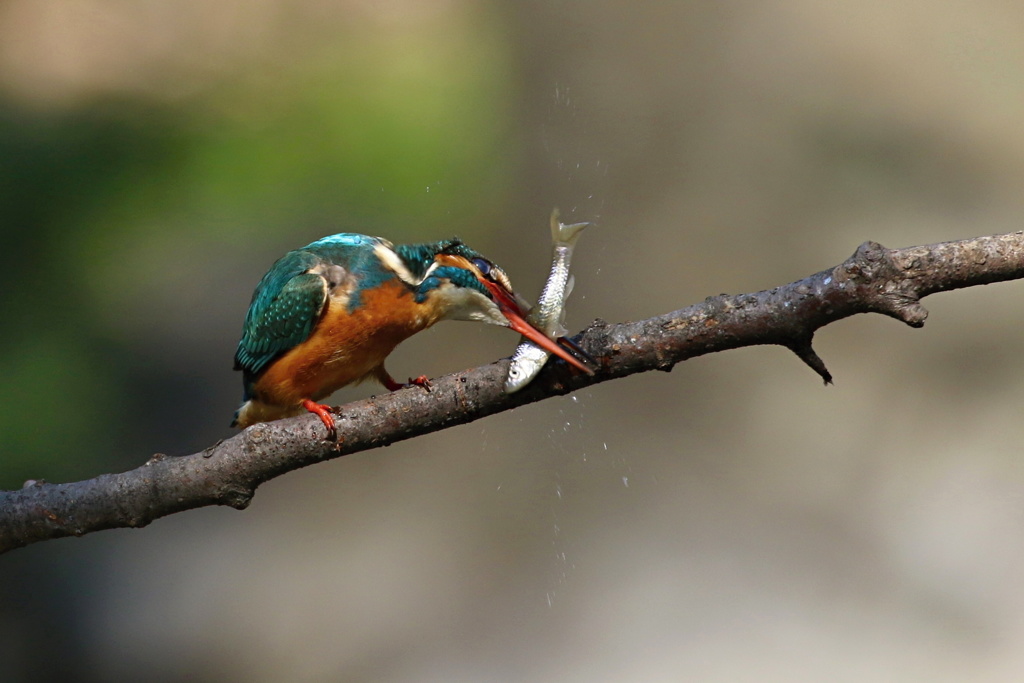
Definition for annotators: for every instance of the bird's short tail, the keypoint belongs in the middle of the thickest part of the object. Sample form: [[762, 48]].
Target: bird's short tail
[[253, 411]]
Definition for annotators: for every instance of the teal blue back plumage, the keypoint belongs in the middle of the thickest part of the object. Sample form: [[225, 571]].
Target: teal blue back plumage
[[289, 299], [284, 308]]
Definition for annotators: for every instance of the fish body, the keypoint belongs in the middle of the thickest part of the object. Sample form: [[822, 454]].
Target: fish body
[[549, 314]]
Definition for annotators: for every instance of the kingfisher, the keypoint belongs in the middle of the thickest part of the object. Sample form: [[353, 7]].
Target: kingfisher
[[329, 314]]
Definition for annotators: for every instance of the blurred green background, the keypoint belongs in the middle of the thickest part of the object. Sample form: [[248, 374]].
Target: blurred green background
[[731, 521]]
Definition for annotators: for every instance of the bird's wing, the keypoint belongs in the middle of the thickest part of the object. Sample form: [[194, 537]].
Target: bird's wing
[[285, 308]]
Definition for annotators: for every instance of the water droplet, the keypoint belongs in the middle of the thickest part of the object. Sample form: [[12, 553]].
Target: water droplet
[[625, 482]]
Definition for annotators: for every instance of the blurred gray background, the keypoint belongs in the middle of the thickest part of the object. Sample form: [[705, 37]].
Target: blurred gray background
[[731, 521]]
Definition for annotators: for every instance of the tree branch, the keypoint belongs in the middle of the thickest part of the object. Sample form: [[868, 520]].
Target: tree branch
[[873, 280]]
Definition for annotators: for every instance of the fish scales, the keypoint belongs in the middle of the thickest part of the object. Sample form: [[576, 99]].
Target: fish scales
[[549, 315]]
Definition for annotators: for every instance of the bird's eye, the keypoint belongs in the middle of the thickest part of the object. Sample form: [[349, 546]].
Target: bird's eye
[[483, 265]]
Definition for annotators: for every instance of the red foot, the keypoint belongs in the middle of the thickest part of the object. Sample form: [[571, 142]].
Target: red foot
[[324, 413], [421, 381], [391, 385]]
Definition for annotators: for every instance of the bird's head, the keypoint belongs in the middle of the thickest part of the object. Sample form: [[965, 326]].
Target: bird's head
[[461, 284]]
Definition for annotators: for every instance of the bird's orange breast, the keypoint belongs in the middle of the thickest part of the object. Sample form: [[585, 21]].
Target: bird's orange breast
[[345, 346]]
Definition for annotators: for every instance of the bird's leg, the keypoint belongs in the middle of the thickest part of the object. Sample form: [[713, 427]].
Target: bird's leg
[[324, 413], [391, 384]]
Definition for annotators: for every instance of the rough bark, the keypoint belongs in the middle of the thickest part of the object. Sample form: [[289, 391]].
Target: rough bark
[[873, 280]]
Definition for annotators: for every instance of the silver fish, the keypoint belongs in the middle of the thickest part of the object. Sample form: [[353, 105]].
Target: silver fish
[[549, 315]]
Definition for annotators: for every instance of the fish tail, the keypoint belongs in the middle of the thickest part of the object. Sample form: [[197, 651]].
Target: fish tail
[[563, 234]]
